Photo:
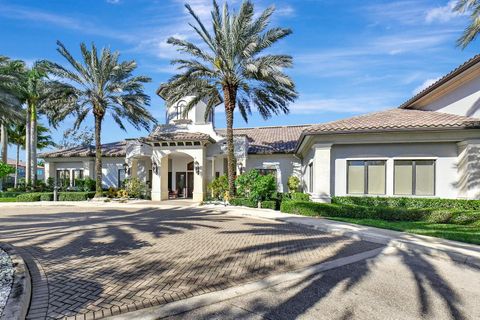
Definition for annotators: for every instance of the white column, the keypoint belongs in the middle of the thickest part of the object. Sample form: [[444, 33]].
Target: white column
[[88, 169], [321, 173], [49, 170], [468, 169], [199, 179], [163, 178]]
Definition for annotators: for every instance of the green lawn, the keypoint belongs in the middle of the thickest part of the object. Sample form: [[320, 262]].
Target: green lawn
[[8, 199], [465, 233]]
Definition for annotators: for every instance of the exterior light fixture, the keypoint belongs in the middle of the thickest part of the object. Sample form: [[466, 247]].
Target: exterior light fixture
[[240, 167], [126, 168], [155, 167], [197, 167]]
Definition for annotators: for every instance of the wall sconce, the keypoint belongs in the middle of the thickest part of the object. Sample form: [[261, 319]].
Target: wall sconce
[[155, 167], [126, 168], [240, 167], [197, 167]]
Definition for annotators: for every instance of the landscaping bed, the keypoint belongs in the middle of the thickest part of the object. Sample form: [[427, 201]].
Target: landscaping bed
[[446, 220], [6, 278]]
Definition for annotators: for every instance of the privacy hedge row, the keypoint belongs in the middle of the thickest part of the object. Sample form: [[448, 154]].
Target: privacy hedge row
[[48, 196], [9, 194], [409, 202], [441, 215], [299, 196], [243, 202], [269, 204]]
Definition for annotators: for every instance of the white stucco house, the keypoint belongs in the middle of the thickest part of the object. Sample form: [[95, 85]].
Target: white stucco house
[[427, 147]]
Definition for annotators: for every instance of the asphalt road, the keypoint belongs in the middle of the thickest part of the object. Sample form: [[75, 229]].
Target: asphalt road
[[398, 285]]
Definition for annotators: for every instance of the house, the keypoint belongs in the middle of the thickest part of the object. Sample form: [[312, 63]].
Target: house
[[427, 147], [21, 171]]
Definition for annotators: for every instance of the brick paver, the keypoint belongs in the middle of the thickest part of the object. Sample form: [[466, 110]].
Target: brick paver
[[91, 263]]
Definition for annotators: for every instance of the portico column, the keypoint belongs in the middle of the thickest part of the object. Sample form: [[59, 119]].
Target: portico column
[[164, 178], [321, 173], [199, 178]]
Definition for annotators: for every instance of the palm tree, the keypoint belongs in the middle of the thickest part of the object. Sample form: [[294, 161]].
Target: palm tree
[[17, 134], [232, 68], [473, 29], [101, 84]]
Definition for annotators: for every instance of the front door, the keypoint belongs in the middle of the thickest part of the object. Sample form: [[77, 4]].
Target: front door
[[189, 184], [181, 184]]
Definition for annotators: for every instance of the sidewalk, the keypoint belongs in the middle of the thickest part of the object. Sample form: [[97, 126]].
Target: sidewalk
[[451, 250]]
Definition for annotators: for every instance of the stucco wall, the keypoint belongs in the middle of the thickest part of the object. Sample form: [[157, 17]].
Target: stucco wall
[[286, 166], [445, 154], [465, 100]]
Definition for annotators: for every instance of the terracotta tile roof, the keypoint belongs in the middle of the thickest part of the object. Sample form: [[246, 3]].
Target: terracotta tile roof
[[395, 119], [280, 139], [157, 135], [452, 74], [114, 149]]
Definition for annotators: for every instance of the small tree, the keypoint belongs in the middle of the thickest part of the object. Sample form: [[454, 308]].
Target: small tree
[[293, 184], [5, 170], [244, 183], [218, 187], [263, 188]]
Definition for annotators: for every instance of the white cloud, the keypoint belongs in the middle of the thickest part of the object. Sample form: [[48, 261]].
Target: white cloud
[[285, 11], [427, 83], [113, 1], [442, 14]]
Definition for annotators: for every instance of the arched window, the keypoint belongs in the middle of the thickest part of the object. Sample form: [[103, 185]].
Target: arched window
[[179, 109]]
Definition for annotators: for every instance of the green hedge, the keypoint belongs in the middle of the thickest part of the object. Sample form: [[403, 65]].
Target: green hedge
[[10, 194], [441, 215], [269, 204], [413, 203], [29, 197], [298, 196], [48, 196], [243, 202]]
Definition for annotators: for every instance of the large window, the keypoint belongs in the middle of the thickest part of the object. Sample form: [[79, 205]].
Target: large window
[[366, 177], [414, 177], [77, 174], [180, 109], [63, 178], [121, 177]]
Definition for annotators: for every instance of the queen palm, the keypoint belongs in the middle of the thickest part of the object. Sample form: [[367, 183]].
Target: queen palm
[[471, 32], [232, 66], [102, 85]]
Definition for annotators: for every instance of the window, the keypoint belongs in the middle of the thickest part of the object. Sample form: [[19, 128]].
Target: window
[[217, 174], [366, 177], [310, 179], [77, 174], [179, 110], [121, 177], [264, 172], [63, 178], [414, 177]]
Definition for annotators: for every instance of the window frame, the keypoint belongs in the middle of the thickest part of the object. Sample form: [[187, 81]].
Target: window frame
[[310, 177], [81, 175], [365, 177], [414, 177], [120, 183]]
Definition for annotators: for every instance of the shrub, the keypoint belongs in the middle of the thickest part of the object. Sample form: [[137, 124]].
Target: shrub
[[218, 187], [269, 204], [46, 196], [10, 194], [75, 196], [243, 202], [293, 183], [88, 184], [244, 183], [50, 183], [405, 202], [29, 197], [263, 188], [135, 188], [299, 196]]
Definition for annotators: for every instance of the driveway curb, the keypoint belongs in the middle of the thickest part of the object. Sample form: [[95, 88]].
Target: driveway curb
[[19, 298], [181, 306], [472, 260]]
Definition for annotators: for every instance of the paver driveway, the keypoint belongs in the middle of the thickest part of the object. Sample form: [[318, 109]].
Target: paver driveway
[[90, 262]]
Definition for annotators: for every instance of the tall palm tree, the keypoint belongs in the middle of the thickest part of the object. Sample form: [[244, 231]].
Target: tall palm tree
[[471, 32], [17, 135], [101, 84], [234, 68]]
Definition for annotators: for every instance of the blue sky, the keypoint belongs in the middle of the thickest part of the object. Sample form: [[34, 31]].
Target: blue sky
[[352, 58]]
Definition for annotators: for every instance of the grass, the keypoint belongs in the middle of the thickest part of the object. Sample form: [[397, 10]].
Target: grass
[[464, 233], [8, 199]]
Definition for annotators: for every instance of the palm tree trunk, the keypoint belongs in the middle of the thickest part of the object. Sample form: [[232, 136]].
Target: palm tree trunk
[[33, 143], [16, 166], [27, 147], [4, 142], [98, 156], [230, 94]]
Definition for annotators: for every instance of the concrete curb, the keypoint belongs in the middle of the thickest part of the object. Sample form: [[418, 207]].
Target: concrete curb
[[459, 257], [178, 307], [19, 298]]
